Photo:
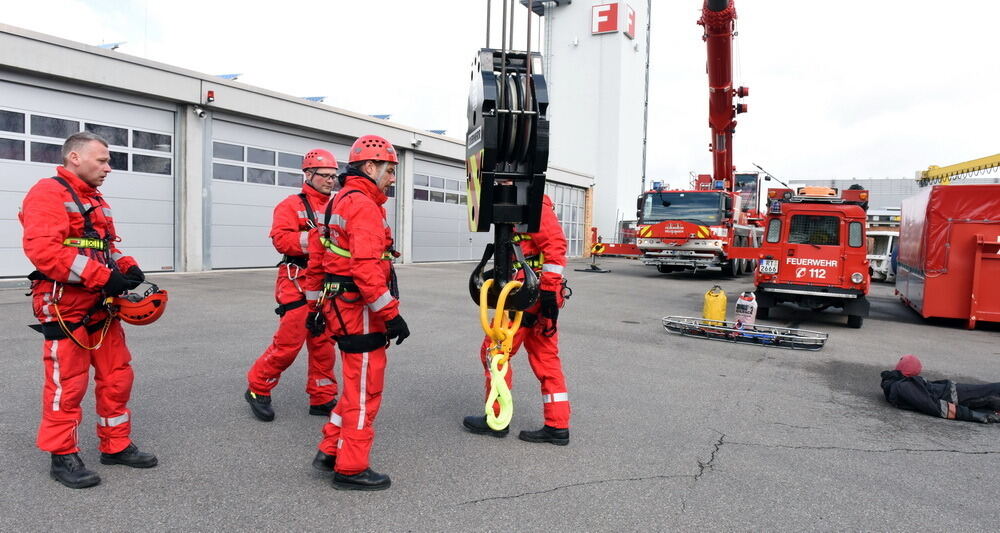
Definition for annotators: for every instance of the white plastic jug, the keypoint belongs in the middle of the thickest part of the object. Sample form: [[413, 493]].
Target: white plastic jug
[[746, 310]]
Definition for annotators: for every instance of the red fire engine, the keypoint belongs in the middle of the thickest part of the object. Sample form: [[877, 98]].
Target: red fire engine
[[693, 228], [814, 252]]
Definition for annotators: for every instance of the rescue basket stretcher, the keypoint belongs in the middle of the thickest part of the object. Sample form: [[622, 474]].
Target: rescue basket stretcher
[[797, 339]]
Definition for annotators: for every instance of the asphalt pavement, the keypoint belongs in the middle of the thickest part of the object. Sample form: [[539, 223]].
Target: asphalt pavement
[[668, 432]]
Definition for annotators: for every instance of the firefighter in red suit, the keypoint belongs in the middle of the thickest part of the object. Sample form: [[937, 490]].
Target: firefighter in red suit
[[545, 252], [350, 262], [293, 218], [69, 236]]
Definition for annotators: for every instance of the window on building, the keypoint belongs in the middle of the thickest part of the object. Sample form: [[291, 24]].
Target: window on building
[[231, 152], [289, 179], [420, 194], [46, 153], [289, 160], [227, 172], [12, 149], [420, 179], [53, 127], [437, 183], [12, 121], [450, 198], [119, 161], [150, 164], [146, 140], [260, 175], [437, 196], [114, 136], [261, 157]]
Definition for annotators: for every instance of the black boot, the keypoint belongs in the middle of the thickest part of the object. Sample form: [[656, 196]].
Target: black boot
[[260, 406], [478, 425], [323, 409], [324, 462], [367, 480], [546, 434], [68, 469], [130, 456]]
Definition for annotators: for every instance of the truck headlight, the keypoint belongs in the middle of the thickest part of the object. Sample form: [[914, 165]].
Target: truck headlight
[[857, 277]]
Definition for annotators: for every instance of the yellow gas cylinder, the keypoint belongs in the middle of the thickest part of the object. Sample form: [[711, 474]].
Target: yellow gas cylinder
[[715, 306]]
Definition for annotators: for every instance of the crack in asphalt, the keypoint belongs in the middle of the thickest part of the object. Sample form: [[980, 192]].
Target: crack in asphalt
[[702, 466], [890, 450], [581, 484], [711, 458]]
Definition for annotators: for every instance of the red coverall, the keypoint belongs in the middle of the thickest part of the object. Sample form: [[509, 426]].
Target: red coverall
[[289, 233], [358, 226], [49, 215], [541, 340]]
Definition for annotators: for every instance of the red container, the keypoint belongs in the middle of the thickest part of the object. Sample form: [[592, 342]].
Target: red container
[[949, 252]]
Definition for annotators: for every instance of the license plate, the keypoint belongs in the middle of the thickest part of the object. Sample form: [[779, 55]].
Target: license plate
[[768, 266]]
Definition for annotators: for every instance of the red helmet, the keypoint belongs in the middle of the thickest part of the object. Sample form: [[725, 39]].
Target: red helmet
[[374, 148], [319, 158], [141, 309]]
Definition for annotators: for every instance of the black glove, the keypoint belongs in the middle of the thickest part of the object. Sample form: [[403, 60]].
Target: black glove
[[397, 329], [549, 305], [135, 277], [116, 284], [315, 323]]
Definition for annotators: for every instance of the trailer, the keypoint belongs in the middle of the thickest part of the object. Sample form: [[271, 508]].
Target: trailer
[[949, 253]]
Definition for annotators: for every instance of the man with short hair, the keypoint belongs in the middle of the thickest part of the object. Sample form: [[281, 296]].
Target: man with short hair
[[350, 263], [293, 218], [69, 236]]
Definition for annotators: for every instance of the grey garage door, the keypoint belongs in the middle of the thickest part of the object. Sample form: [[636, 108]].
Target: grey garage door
[[35, 121], [440, 215], [253, 169]]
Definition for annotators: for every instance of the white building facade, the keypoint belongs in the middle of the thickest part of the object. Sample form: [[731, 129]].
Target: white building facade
[[194, 182]]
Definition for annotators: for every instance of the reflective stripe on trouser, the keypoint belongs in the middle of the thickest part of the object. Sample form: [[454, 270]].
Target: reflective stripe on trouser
[[67, 369], [321, 384], [543, 356], [350, 432]]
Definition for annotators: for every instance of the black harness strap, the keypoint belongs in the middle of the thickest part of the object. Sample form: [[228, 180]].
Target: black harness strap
[[309, 210], [284, 308], [88, 226], [329, 205]]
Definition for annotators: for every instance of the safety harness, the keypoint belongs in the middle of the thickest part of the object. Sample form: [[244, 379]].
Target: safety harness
[[336, 286], [101, 246]]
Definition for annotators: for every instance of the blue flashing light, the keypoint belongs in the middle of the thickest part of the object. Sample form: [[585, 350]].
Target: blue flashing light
[[719, 184], [381, 117], [230, 77], [657, 185], [316, 99]]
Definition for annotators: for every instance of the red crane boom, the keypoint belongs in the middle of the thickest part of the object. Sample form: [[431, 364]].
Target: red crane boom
[[718, 17]]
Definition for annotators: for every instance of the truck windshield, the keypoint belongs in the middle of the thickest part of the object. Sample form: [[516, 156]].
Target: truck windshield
[[814, 229], [700, 207]]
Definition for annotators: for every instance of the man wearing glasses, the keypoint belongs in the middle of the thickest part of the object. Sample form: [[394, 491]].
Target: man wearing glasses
[[293, 218]]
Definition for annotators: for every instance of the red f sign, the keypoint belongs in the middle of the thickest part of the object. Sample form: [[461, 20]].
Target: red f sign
[[604, 18], [629, 22]]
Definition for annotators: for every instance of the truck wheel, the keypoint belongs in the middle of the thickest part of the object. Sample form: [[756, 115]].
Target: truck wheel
[[733, 267], [763, 312], [853, 321], [751, 266]]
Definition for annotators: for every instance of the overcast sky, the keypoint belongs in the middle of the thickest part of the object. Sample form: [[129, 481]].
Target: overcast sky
[[850, 88]]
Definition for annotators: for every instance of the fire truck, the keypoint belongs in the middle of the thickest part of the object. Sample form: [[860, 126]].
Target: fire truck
[[814, 252], [695, 228], [690, 229]]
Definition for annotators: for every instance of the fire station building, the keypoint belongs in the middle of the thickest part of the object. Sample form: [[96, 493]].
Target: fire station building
[[195, 181]]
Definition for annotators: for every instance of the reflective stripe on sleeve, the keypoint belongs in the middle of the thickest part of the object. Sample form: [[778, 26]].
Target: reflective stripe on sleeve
[[304, 241], [112, 421], [336, 420], [549, 267], [77, 268], [302, 214], [107, 211], [338, 220], [556, 397], [312, 295], [381, 302]]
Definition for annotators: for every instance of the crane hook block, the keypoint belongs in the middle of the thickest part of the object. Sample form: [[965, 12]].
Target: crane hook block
[[507, 141]]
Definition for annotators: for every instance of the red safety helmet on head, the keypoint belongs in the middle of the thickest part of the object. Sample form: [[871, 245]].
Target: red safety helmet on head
[[141, 309], [319, 158], [372, 148]]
